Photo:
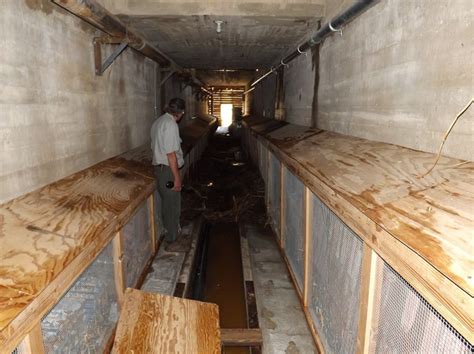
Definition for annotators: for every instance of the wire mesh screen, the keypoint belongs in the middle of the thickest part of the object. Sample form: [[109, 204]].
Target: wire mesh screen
[[294, 225], [85, 317], [408, 324], [335, 280], [253, 148], [263, 162], [137, 246], [274, 188]]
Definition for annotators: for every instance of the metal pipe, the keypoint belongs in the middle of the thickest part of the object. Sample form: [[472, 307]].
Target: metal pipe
[[248, 91], [335, 25], [95, 14]]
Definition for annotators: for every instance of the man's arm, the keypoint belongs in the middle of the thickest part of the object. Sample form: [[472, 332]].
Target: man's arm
[[173, 163]]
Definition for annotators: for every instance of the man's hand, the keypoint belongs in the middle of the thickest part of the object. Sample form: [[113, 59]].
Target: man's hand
[[177, 185], [173, 163]]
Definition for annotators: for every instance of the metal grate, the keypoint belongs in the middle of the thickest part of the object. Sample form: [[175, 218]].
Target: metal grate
[[335, 278], [407, 323], [274, 185], [294, 225], [137, 245], [84, 318]]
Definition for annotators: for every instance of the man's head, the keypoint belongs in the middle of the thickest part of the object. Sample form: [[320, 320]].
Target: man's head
[[176, 108]]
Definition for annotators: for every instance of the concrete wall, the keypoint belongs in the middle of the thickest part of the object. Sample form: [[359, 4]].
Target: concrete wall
[[176, 88], [298, 84], [399, 74], [56, 116], [262, 99]]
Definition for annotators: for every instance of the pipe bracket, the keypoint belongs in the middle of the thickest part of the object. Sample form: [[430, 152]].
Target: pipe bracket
[[100, 66], [283, 63], [335, 29], [301, 52]]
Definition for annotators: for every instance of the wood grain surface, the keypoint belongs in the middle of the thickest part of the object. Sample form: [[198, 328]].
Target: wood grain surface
[[48, 237], [433, 215], [241, 337], [423, 227], [42, 232], [155, 323]]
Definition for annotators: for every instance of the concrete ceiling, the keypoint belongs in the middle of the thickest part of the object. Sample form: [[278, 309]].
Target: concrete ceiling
[[255, 34], [227, 77]]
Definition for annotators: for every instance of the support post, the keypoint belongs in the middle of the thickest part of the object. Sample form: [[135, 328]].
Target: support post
[[282, 206], [117, 244], [368, 290], [308, 212], [151, 218], [33, 342], [100, 66]]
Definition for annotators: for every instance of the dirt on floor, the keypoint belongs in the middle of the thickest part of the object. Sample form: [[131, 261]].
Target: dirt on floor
[[224, 187]]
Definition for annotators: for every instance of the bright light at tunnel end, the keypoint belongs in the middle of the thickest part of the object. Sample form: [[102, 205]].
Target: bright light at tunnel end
[[226, 115]]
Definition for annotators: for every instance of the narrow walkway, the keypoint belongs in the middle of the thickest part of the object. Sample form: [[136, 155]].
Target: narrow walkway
[[229, 194], [282, 320]]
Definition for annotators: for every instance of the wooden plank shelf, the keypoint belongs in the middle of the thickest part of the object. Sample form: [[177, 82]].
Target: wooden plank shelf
[[155, 323], [422, 227], [50, 236], [241, 337]]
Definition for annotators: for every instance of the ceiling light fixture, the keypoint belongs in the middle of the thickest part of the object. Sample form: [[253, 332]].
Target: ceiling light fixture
[[218, 25]]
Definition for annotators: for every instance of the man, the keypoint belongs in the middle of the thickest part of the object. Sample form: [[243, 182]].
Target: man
[[167, 161]]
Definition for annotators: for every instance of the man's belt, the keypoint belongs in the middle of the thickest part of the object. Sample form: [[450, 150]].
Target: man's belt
[[163, 165]]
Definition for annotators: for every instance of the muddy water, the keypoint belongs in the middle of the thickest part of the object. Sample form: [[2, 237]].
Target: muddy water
[[224, 278], [217, 184]]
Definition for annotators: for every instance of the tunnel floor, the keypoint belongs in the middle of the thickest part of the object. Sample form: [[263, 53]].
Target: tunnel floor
[[242, 269]]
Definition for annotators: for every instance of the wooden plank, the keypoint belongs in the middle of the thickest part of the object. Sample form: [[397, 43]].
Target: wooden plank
[[282, 206], [33, 313], [268, 186], [308, 222], [53, 226], [118, 266], [151, 218], [241, 337], [33, 342], [155, 323], [317, 161], [368, 280]]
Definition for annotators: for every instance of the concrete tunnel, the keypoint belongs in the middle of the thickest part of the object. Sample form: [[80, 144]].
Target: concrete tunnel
[[327, 200]]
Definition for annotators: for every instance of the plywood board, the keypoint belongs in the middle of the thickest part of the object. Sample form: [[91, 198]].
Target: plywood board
[[154, 323], [42, 233], [432, 215], [422, 226]]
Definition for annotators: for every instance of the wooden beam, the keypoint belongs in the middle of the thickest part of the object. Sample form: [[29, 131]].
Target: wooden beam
[[268, 185], [370, 262], [282, 206], [151, 218], [33, 342], [308, 222], [241, 337], [118, 255]]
